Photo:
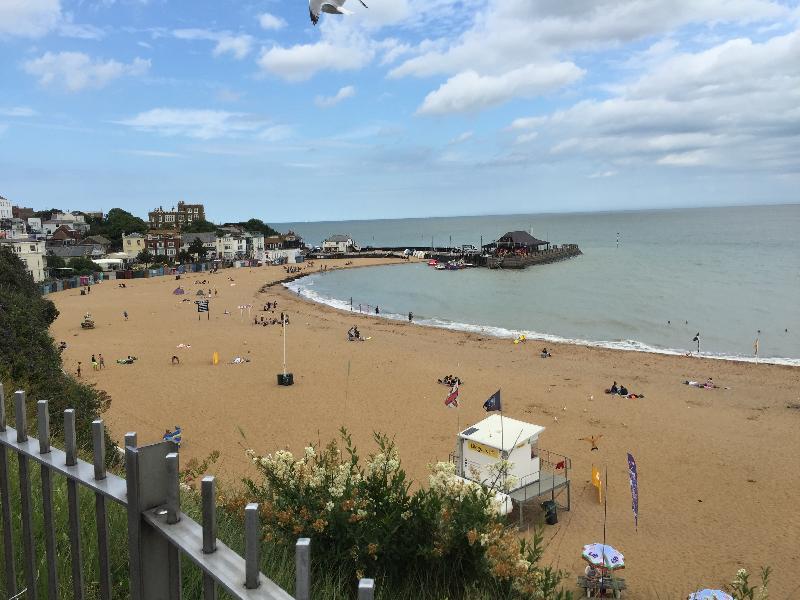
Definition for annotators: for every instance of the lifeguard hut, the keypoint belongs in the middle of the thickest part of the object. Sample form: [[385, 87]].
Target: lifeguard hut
[[532, 473]]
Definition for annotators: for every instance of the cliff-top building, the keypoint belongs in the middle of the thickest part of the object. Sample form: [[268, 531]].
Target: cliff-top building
[[175, 219]]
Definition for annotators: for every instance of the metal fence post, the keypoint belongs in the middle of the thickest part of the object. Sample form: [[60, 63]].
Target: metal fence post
[[99, 455], [147, 483], [71, 449], [209, 493], [173, 516], [5, 496], [43, 418], [252, 546], [366, 589], [28, 548], [302, 578]]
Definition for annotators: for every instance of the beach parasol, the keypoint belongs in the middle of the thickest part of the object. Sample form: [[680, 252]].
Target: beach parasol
[[600, 555], [710, 595]]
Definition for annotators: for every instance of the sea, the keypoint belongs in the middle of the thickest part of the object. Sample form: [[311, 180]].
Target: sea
[[647, 281]]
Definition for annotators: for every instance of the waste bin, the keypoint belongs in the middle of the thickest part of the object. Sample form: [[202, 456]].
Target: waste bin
[[550, 512], [287, 379]]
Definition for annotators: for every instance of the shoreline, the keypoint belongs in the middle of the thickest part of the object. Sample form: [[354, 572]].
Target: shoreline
[[505, 333], [711, 462]]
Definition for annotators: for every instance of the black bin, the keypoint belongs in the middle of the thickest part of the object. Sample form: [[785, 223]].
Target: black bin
[[287, 379], [550, 512]]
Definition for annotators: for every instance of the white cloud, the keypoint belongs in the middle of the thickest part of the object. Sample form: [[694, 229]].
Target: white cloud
[[28, 18], [302, 61], [327, 101], [461, 138], [524, 138], [75, 71], [602, 174], [155, 153], [199, 124], [17, 111], [468, 91], [734, 105], [239, 46], [271, 22]]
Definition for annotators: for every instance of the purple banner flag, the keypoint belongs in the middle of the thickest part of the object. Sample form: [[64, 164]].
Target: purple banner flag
[[634, 489]]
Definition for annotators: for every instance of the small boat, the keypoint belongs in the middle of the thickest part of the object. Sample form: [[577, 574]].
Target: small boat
[[433, 262], [440, 267]]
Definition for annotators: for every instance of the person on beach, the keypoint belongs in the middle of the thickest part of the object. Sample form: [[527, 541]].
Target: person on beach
[[410, 316], [377, 310], [545, 353], [125, 314], [79, 369], [613, 389], [95, 365], [623, 391], [101, 361], [175, 360]]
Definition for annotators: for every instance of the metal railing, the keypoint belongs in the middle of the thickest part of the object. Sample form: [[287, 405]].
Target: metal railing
[[158, 532]]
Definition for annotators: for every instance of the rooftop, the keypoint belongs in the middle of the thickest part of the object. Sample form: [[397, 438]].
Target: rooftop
[[339, 238], [522, 238], [490, 432]]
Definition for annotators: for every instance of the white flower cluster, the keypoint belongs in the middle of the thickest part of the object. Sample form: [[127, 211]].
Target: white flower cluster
[[443, 480], [380, 462]]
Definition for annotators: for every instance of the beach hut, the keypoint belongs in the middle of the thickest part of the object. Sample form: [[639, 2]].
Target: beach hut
[[532, 471]]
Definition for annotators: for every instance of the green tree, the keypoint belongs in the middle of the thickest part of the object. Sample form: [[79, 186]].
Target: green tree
[[257, 225], [183, 257], [117, 222], [55, 262], [83, 265], [145, 257], [30, 361], [199, 227], [197, 247]]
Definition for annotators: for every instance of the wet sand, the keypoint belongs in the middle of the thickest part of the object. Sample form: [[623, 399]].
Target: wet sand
[[717, 468]]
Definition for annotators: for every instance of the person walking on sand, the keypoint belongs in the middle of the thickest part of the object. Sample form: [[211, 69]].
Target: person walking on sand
[[79, 369], [101, 361], [377, 310], [125, 314], [95, 366], [410, 316]]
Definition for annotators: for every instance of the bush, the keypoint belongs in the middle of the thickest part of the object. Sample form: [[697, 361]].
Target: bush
[[30, 361], [363, 518]]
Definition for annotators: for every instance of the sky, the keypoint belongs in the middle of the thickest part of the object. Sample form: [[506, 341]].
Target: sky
[[408, 108]]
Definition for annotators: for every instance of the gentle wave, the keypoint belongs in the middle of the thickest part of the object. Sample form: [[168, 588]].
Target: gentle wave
[[297, 287]]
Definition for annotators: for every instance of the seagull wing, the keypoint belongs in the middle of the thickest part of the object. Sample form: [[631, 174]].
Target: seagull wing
[[314, 8]]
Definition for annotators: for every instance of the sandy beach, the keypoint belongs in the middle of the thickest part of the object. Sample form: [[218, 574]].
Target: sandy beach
[[717, 468]]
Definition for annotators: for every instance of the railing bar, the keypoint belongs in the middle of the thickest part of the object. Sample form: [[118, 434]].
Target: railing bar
[[43, 418], [366, 589], [28, 548], [49, 533], [8, 534], [99, 456], [5, 497], [173, 516], [252, 546], [302, 559], [225, 565], [113, 487], [104, 564], [208, 490], [29, 561], [70, 446]]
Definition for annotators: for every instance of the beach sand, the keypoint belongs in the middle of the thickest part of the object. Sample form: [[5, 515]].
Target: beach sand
[[718, 477]]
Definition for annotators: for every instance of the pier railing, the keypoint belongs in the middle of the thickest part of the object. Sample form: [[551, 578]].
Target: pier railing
[[158, 532]]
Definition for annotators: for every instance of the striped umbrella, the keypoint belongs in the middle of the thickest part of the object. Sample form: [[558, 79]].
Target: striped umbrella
[[600, 555], [710, 595]]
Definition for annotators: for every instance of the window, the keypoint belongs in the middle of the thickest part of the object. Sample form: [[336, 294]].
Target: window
[[33, 248]]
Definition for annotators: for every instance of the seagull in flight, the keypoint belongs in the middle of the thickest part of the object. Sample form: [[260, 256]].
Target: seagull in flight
[[332, 7]]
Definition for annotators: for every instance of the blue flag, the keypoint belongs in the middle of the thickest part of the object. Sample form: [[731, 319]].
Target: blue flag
[[634, 477], [493, 403]]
